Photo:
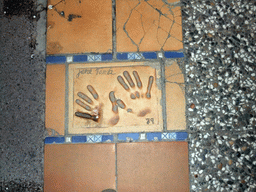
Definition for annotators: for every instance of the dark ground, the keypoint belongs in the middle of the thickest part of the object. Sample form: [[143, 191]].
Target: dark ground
[[22, 100], [219, 44]]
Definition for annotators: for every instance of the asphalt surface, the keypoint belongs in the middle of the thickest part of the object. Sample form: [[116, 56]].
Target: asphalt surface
[[22, 100]]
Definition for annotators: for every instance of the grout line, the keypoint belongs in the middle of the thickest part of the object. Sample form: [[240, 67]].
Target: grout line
[[114, 29], [162, 68], [116, 165], [66, 99]]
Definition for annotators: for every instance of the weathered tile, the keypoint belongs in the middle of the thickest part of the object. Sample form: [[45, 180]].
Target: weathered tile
[[112, 107], [175, 97], [150, 25], [154, 166], [79, 167], [79, 26], [55, 99]]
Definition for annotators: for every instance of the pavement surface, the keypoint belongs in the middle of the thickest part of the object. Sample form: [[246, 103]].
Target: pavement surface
[[220, 63], [22, 100]]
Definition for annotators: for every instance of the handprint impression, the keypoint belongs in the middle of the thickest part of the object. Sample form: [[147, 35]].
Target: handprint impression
[[139, 84], [134, 95], [95, 112]]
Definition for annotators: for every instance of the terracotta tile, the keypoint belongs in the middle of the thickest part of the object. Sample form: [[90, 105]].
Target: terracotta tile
[[155, 166], [79, 167], [55, 98], [175, 97], [75, 26], [103, 78], [140, 27]]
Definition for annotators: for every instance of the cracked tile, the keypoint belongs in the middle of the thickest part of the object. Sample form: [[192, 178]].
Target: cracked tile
[[79, 26], [55, 99], [114, 97], [148, 26], [175, 97]]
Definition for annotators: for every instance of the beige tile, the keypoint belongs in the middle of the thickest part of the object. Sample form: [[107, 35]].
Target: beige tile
[[103, 78], [155, 166], [55, 99], [79, 26], [141, 27], [79, 167], [175, 97]]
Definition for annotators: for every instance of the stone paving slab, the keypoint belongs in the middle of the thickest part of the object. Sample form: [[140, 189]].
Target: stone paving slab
[[70, 168], [148, 25], [76, 26], [163, 166], [120, 96], [144, 101]]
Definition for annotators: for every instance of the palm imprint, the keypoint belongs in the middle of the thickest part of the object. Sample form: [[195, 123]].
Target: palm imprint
[[87, 103], [135, 93]]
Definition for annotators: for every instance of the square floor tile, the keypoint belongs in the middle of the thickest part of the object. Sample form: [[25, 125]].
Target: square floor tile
[[79, 26], [79, 167], [154, 166], [55, 99], [175, 97], [114, 97], [148, 25]]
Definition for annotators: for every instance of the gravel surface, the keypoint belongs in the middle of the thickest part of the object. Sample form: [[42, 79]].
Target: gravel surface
[[220, 47]]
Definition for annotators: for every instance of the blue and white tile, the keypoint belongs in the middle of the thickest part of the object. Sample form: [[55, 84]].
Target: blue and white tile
[[107, 138], [94, 58], [79, 139], [165, 136], [51, 140], [128, 136], [94, 138], [132, 56]]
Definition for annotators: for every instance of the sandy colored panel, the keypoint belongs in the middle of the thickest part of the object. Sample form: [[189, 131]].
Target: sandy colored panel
[[55, 99], [79, 168], [121, 95], [156, 166], [175, 97], [79, 26], [150, 25]]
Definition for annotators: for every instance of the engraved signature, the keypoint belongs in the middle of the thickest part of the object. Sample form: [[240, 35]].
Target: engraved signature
[[97, 71]]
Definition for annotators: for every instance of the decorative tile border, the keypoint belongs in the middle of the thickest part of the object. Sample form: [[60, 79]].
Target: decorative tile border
[[107, 138], [55, 59], [109, 57], [50, 140], [133, 56], [154, 136], [94, 58], [173, 55], [128, 136], [79, 58], [79, 139], [94, 138], [121, 137]]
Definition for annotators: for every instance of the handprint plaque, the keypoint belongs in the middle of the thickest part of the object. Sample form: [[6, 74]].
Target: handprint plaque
[[114, 98]]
